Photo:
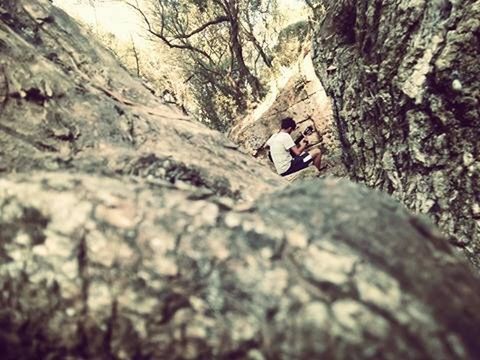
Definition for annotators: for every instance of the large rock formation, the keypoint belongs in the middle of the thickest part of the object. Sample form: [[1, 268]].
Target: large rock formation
[[127, 231], [97, 267], [404, 80], [66, 103]]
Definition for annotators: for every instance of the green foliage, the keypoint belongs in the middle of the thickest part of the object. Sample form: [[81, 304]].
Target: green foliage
[[297, 30], [290, 42]]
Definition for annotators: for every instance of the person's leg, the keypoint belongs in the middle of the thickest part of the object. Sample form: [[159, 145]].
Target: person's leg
[[317, 158], [299, 162]]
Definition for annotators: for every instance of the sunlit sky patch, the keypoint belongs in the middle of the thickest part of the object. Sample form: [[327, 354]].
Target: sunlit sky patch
[[113, 16]]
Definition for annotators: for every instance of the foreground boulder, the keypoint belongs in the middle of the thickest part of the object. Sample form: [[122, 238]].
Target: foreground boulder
[[97, 267], [403, 77]]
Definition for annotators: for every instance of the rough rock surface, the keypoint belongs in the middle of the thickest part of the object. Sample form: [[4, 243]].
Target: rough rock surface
[[404, 80], [303, 98], [65, 103], [97, 267], [125, 232]]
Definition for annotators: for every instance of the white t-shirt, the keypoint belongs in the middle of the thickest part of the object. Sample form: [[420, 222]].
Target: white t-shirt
[[279, 144]]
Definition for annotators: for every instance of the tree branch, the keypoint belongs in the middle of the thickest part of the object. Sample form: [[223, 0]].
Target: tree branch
[[168, 42], [135, 54], [216, 21], [6, 89], [266, 58]]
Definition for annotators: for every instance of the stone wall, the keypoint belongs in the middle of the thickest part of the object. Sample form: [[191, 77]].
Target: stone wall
[[94, 266]]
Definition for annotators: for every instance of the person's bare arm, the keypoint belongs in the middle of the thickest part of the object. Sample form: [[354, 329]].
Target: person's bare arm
[[298, 149]]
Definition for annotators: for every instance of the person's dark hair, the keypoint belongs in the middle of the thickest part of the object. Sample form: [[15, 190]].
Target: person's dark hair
[[288, 122]]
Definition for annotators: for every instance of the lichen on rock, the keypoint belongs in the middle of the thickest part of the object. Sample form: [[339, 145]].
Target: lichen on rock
[[183, 276], [406, 103]]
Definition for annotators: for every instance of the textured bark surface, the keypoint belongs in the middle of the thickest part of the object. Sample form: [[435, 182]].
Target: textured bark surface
[[127, 231], [104, 268], [405, 83]]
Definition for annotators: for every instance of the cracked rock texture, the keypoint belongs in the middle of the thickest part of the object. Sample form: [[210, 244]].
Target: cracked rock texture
[[404, 80], [96, 267], [129, 232]]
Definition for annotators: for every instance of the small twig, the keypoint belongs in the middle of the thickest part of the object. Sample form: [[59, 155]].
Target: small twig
[[6, 92]]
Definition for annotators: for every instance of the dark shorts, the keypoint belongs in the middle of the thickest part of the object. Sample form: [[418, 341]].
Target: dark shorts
[[298, 163]]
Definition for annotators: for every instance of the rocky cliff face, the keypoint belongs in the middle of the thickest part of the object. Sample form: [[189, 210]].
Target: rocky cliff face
[[127, 231], [67, 104], [303, 98], [404, 80]]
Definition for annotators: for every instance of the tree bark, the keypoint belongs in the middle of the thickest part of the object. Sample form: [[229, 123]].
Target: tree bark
[[244, 73], [404, 82]]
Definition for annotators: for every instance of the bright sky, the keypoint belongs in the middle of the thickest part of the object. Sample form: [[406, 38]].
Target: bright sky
[[114, 16]]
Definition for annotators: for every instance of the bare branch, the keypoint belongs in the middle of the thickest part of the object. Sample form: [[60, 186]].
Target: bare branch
[[135, 55], [168, 42], [251, 37], [6, 89], [216, 21]]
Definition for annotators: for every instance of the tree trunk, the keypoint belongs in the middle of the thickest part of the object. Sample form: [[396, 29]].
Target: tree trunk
[[404, 80], [237, 51]]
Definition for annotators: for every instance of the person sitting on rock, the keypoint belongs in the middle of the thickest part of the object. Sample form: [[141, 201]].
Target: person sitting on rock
[[287, 157]]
